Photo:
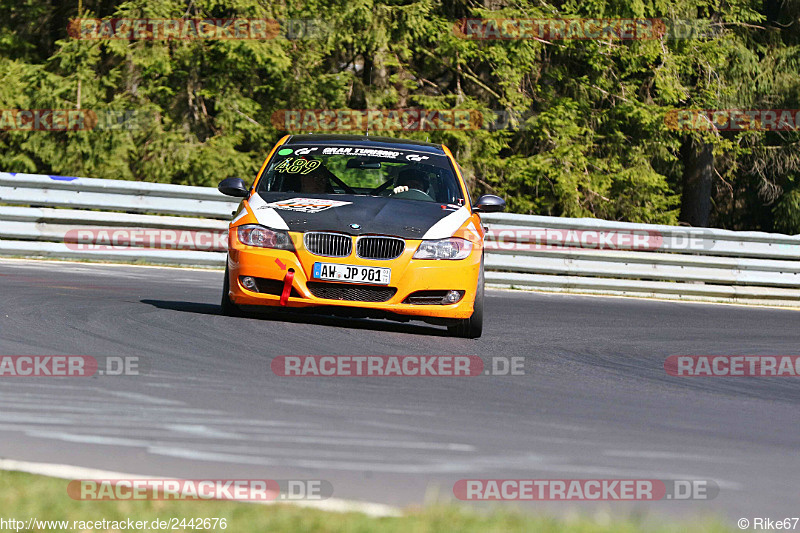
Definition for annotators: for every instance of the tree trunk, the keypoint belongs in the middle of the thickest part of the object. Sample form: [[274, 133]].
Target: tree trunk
[[698, 171]]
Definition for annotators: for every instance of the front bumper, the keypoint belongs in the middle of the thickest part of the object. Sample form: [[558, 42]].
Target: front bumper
[[408, 276]]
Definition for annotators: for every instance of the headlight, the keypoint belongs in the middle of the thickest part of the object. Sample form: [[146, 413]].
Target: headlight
[[263, 237], [452, 248]]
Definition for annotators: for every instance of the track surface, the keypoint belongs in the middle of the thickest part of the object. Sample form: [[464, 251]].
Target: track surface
[[595, 401]]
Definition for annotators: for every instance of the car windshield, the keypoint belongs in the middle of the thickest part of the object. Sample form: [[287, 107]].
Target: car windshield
[[391, 173]]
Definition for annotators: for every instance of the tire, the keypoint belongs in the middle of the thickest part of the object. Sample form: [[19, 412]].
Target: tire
[[228, 307], [472, 327]]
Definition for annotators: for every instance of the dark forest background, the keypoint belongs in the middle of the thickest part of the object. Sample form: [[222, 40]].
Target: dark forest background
[[590, 139]]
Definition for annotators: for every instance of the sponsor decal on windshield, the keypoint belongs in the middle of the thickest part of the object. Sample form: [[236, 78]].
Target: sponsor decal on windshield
[[306, 205], [305, 151], [369, 152]]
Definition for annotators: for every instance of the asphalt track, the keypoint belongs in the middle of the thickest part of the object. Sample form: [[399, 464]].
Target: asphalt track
[[595, 401]]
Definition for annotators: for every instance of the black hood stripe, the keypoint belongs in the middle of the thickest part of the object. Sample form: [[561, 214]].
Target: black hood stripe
[[407, 219]]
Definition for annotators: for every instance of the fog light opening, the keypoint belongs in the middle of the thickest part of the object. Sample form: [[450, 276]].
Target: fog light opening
[[249, 283], [451, 297]]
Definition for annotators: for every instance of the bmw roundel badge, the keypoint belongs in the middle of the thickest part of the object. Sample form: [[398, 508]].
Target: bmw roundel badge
[[355, 226]]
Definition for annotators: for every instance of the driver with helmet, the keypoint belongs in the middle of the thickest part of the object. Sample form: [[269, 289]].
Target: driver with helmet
[[412, 178]]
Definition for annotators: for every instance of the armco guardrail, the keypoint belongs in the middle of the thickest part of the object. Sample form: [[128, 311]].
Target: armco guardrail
[[42, 215], [606, 257], [41, 230]]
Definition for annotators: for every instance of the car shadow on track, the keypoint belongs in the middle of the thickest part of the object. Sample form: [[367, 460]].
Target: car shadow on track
[[304, 317]]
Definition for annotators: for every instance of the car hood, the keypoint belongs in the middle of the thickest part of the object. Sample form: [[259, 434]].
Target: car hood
[[359, 215]]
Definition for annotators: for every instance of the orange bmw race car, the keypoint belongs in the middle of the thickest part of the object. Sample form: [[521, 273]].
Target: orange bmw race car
[[371, 226]]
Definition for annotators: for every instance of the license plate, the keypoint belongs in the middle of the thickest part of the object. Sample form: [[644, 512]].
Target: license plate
[[352, 273]]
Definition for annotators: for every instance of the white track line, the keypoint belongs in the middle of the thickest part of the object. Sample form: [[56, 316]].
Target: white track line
[[334, 505]]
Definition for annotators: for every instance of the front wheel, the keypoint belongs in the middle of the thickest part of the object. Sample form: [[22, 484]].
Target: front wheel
[[228, 307], [472, 327]]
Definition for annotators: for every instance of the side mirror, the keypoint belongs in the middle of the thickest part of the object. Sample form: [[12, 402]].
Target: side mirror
[[489, 203], [233, 187]]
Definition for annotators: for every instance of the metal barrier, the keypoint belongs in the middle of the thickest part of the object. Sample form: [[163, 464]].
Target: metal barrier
[[39, 214], [58, 206], [606, 257]]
